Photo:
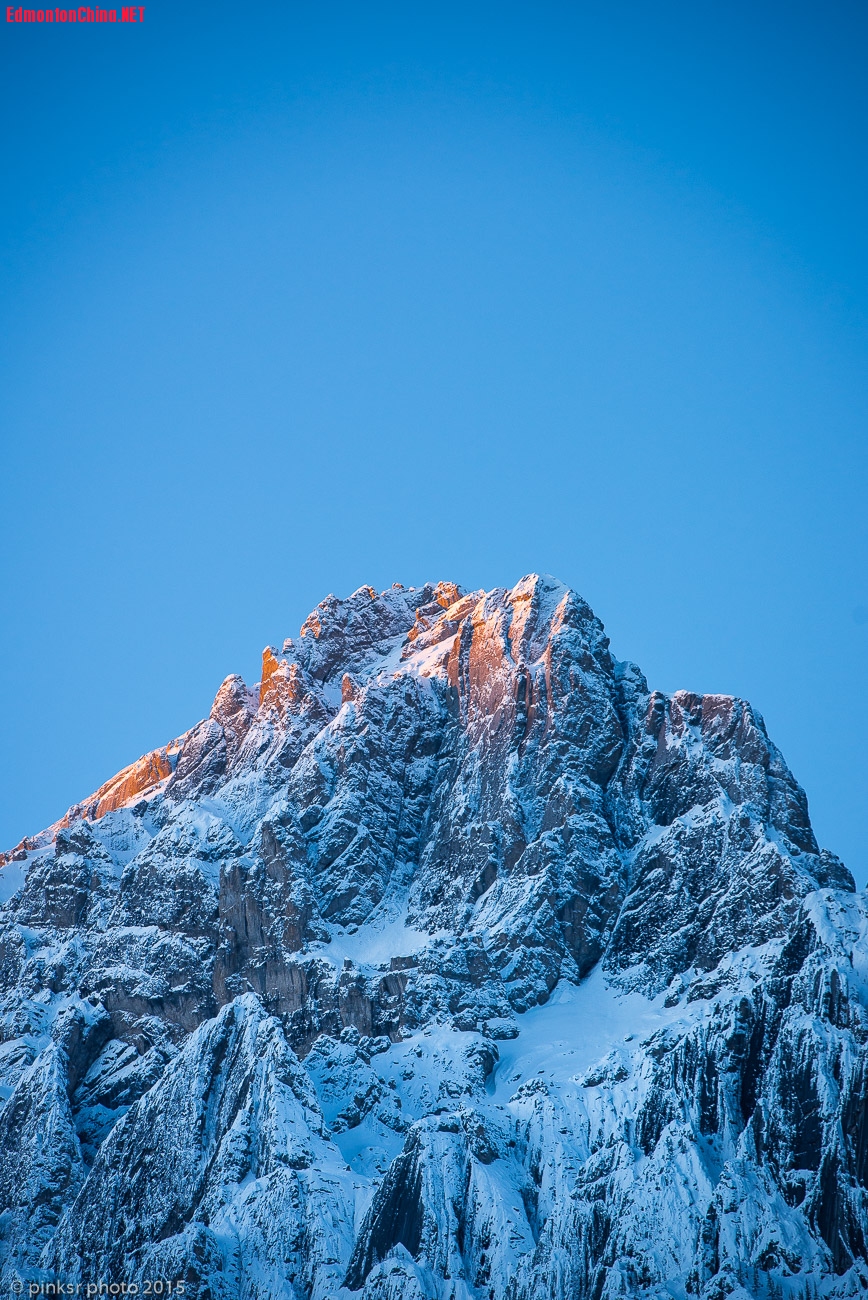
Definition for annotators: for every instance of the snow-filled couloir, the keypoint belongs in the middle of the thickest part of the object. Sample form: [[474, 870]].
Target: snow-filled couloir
[[448, 962]]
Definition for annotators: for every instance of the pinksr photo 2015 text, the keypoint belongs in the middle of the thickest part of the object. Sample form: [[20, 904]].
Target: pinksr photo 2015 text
[[129, 14]]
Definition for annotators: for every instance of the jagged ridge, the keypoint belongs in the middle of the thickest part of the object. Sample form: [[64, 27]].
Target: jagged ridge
[[447, 961]]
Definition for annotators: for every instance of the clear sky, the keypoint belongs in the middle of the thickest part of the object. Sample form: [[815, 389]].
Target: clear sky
[[297, 297]]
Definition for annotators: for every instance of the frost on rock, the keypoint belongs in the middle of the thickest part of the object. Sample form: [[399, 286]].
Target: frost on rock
[[447, 962]]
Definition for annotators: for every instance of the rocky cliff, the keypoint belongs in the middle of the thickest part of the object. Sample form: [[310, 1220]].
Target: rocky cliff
[[448, 962]]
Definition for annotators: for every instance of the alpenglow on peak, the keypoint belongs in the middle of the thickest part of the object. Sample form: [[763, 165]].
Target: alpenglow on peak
[[446, 962]]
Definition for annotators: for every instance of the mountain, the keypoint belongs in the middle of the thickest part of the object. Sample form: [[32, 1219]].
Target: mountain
[[450, 962]]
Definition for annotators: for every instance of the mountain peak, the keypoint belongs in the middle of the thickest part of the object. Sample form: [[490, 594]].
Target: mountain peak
[[451, 913]]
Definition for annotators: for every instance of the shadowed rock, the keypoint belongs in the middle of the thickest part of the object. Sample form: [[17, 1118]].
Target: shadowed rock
[[251, 990]]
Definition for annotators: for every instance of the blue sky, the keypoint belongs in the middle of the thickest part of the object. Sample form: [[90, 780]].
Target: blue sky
[[299, 297]]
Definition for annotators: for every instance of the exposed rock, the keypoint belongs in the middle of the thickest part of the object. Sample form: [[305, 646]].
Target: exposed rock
[[445, 962]]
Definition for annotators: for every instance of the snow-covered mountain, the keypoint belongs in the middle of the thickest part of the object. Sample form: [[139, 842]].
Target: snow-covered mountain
[[449, 961]]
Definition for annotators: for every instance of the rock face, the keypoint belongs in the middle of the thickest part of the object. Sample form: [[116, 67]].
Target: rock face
[[447, 963]]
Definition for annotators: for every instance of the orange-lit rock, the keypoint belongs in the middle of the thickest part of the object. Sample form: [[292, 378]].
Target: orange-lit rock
[[446, 594], [270, 665], [311, 625], [140, 778], [349, 689]]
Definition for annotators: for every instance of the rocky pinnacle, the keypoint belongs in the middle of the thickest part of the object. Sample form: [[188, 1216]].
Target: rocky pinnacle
[[446, 962]]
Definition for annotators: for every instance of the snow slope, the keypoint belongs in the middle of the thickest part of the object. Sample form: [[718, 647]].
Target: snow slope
[[447, 962]]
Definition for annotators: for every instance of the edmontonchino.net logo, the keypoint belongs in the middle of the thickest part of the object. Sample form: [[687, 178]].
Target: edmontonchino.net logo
[[128, 14]]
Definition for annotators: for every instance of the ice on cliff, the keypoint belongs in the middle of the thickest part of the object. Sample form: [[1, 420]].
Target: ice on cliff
[[449, 962]]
